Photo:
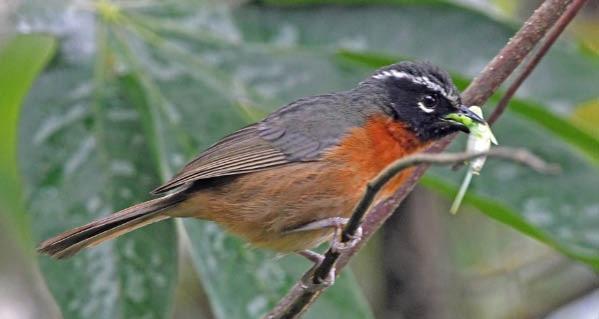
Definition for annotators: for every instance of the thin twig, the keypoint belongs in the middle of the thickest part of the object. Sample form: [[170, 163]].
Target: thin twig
[[512, 54], [299, 299], [477, 93], [300, 293], [521, 156], [555, 32], [550, 39]]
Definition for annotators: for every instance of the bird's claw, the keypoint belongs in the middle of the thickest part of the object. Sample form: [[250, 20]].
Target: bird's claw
[[340, 246], [309, 284]]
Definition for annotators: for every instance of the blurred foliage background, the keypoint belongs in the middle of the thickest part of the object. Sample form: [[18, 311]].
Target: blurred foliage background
[[100, 101]]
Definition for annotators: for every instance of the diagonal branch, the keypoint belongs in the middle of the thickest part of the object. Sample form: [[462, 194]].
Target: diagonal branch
[[555, 32], [302, 295], [299, 299], [521, 156], [512, 54]]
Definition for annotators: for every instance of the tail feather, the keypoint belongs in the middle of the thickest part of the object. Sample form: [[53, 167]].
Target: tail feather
[[89, 235]]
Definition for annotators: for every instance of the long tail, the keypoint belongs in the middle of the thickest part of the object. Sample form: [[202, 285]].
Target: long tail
[[114, 225]]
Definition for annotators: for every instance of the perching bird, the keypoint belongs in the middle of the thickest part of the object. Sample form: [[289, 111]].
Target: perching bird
[[287, 182]]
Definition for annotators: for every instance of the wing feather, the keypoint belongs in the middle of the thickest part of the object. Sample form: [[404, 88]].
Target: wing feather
[[298, 132], [241, 152]]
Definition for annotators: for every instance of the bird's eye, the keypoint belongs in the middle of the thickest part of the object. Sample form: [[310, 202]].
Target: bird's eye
[[428, 104], [429, 101]]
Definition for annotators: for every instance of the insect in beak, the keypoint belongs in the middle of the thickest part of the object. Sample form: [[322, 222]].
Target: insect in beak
[[464, 118], [479, 140]]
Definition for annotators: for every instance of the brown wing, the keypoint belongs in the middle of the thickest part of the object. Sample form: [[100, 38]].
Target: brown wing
[[241, 152], [299, 132]]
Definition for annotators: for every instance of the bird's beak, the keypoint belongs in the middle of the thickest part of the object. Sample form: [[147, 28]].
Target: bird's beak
[[464, 118]]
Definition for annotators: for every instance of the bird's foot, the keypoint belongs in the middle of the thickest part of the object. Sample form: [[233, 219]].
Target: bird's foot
[[338, 224], [338, 245], [308, 281], [312, 256]]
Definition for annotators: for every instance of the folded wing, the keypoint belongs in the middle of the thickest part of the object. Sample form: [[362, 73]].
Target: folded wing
[[241, 152]]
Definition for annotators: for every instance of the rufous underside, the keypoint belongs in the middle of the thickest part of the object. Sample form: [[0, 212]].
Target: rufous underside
[[262, 207]]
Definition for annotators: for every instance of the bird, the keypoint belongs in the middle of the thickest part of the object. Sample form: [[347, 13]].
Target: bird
[[289, 182]]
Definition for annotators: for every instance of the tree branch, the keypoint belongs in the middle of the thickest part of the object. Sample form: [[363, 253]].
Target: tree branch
[[299, 299], [555, 32], [295, 302], [521, 156], [512, 54]]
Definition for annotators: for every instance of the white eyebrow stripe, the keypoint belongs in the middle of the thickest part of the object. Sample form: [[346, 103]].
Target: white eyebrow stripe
[[424, 108], [422, 80]]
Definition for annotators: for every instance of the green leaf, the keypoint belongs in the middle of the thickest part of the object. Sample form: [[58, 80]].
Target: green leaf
[[564, 79], [512, 209], [561, 127], [508, 216], [147, 105], [241, 282], [84, 155], [560, 210], [21, 60], [247, 283], [176, 76], [336, 58], [586, 116]]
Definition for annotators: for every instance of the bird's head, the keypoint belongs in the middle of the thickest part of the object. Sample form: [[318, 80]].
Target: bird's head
[[424, 97]]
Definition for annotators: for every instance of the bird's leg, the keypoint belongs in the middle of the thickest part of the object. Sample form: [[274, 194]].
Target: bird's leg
[[337, 223], [312, 256], [317, 259], [337, 245]]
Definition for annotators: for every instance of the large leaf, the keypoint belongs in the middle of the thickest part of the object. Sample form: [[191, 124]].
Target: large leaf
[[92, 151], [459, 39], [21, 60], [246, 283], [242, 283], [194, 71], [84, 155], [277, 54], [560, 210]]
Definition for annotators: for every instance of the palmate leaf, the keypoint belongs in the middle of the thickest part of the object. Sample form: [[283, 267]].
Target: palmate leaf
[[165, 80]]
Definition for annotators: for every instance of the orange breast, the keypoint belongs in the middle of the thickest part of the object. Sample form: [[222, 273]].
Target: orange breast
[[366, 151], [262, 206]]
